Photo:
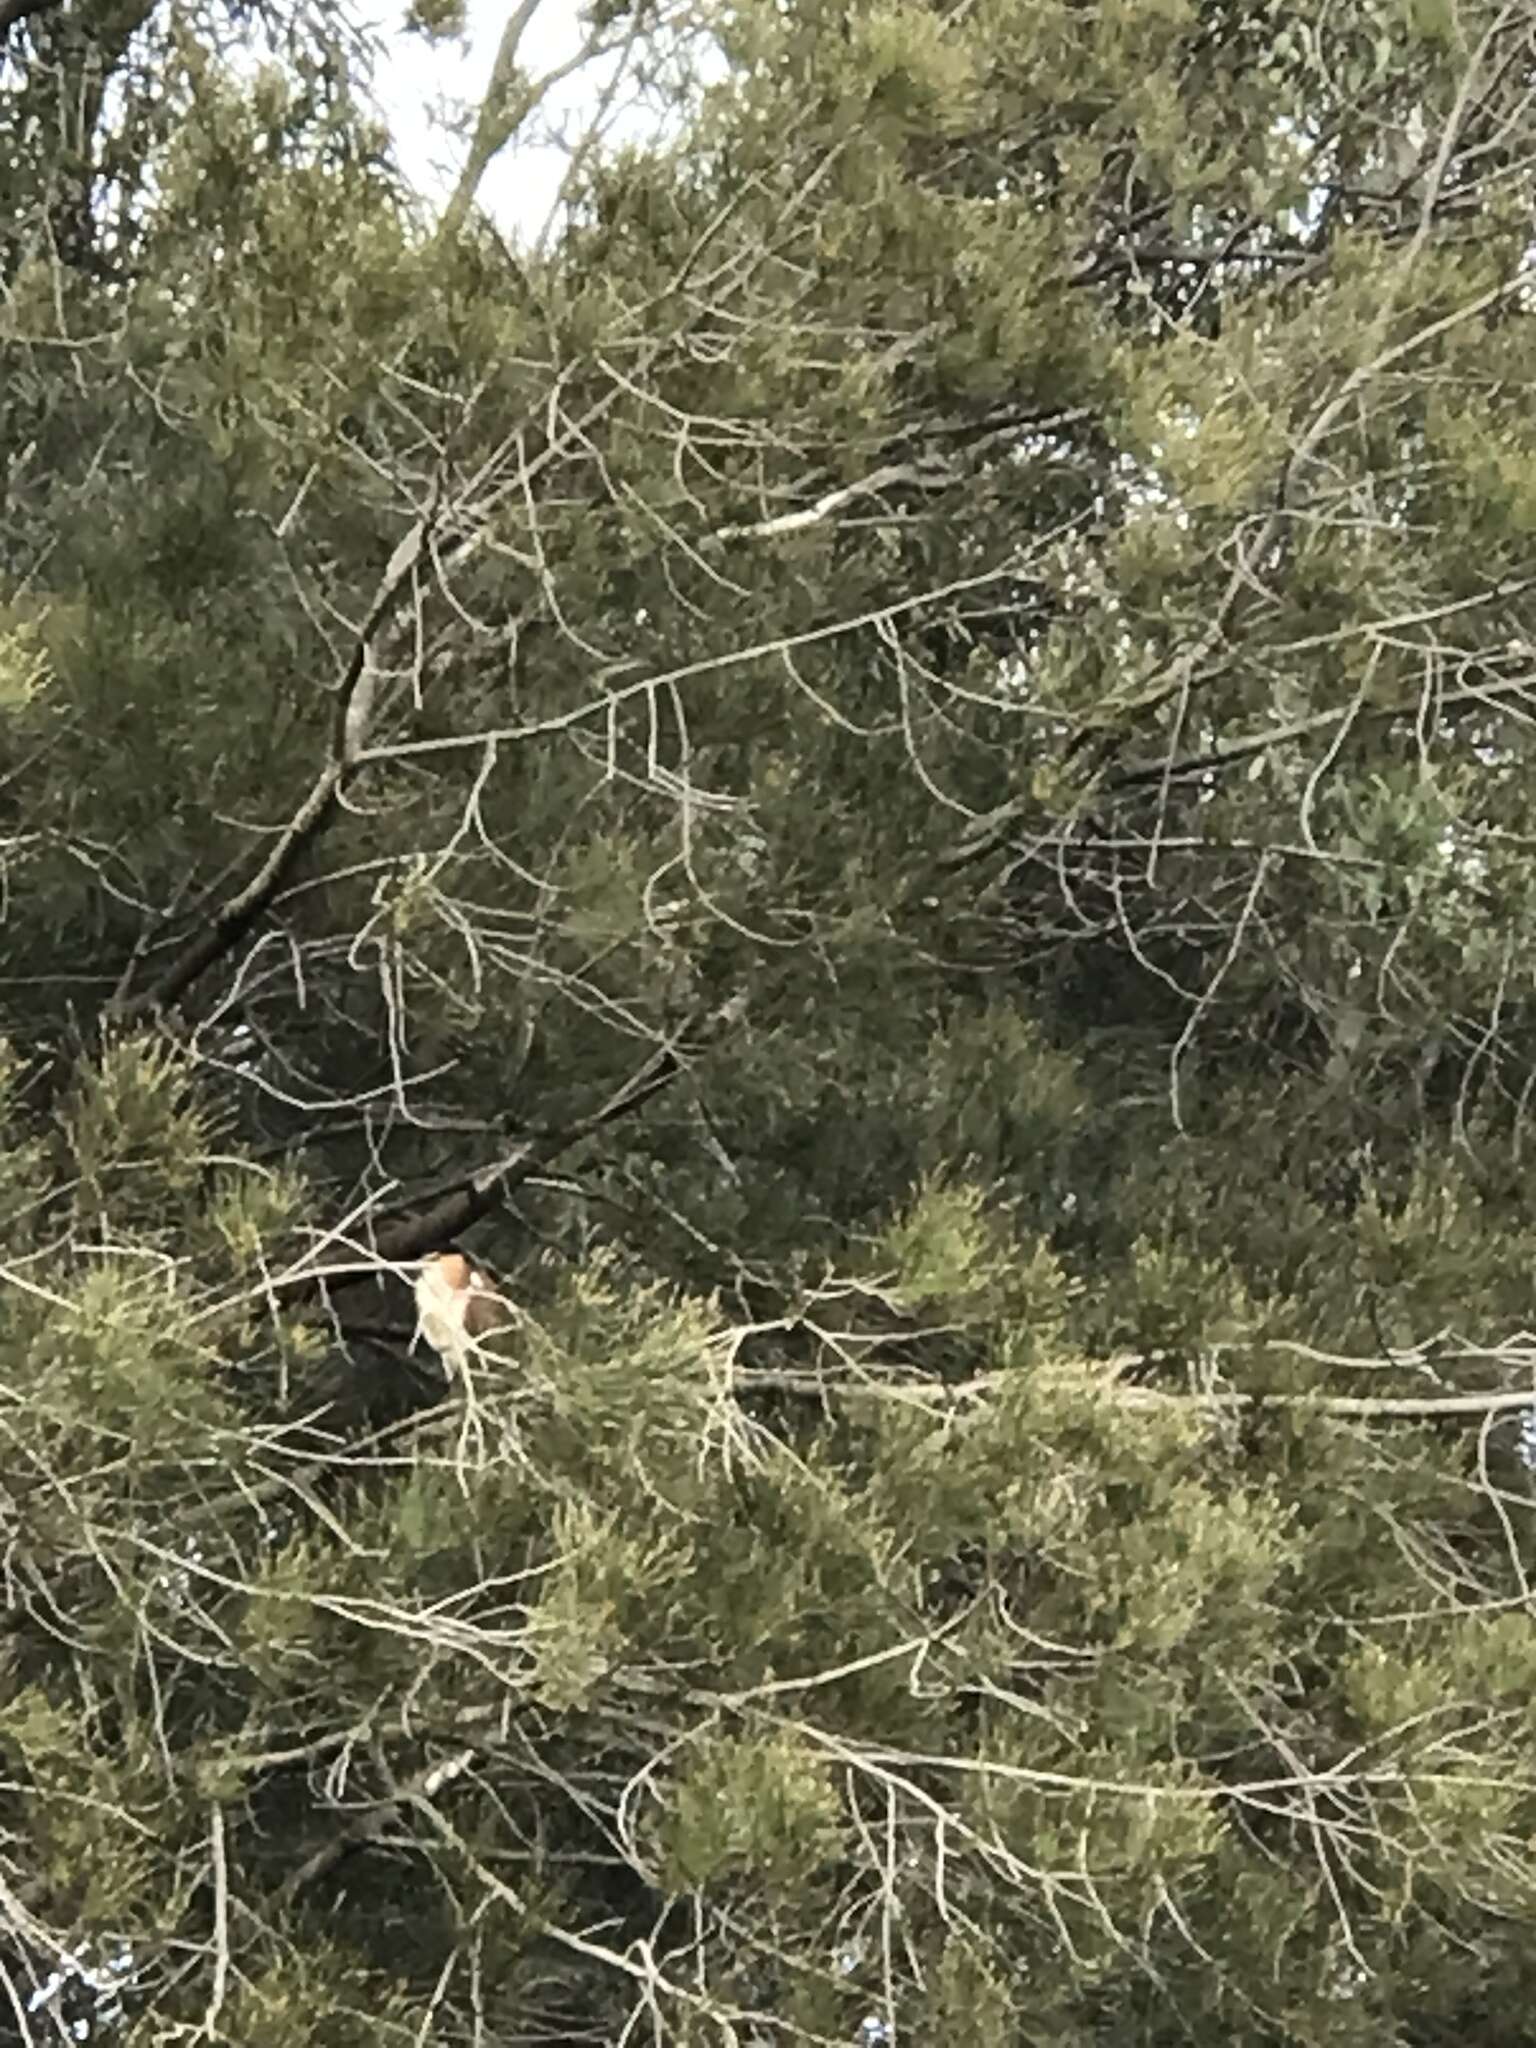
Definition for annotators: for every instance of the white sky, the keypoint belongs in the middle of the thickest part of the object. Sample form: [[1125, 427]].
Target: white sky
[[416, 77]]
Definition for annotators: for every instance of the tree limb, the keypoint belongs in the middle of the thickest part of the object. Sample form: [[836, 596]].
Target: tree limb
[[14, 12], [371, 1823], [505, 107], [487, 1187], [353, 703]]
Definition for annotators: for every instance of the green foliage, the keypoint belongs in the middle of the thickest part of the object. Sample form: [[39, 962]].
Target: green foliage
[[320, 1994], [134, 1118], [763, 1807], [436, 18], [24, 666], [943, 1249], [1173, 1300], [596, 1599], [896, 774]]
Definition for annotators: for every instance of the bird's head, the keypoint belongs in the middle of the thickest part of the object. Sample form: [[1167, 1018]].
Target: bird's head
[[451, 1269]]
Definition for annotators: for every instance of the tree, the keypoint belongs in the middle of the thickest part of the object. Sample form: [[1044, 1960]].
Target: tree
[[895, 773]]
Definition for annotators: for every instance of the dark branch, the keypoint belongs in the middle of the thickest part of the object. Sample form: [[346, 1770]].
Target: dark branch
[[353, 706], [14, 12], [238, 915], [485, 1189]]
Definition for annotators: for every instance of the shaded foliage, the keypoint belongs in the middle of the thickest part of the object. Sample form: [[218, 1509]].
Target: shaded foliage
[[897, 771]]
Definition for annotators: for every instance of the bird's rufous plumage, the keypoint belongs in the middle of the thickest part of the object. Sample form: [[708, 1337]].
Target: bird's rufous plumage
[[456, 1305]]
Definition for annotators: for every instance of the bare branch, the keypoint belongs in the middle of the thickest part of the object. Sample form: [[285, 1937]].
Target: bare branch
[[929, 478]]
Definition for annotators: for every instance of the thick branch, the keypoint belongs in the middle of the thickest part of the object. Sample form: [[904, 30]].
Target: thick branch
[[348, 732], [1229, 752], [488, 1187], [243, 910], [13, 12], [508, 102], [986, 834], [371, 1824], [485, 1189]]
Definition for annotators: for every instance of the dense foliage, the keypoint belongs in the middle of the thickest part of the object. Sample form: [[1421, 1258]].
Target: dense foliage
[[895, 772]]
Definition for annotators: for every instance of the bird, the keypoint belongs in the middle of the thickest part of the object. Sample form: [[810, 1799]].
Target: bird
[[456, 1306]]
